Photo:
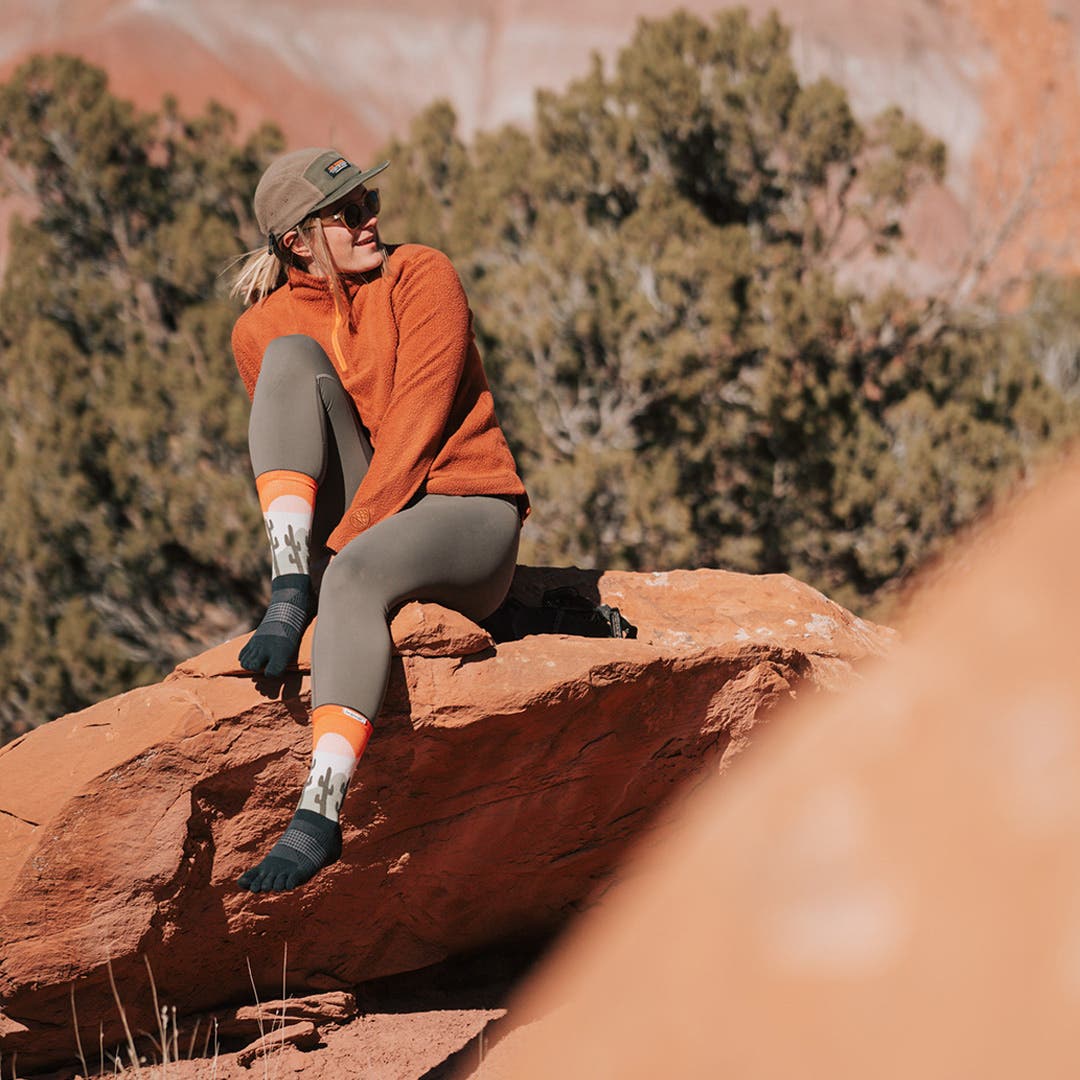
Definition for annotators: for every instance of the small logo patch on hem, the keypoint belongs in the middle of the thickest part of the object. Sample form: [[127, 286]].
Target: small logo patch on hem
[[352, 714], [336, 166]]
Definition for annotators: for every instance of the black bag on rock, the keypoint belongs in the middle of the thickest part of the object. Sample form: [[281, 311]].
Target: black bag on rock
[[561, 611]]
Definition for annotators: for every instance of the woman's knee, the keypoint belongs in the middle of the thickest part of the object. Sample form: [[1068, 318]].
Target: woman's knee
[[352, 580], [292, 359]]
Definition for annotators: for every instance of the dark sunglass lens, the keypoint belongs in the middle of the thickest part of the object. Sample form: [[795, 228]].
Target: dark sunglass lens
[[353, 215]]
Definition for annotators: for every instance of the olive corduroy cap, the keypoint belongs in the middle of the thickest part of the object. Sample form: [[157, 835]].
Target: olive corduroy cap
[[301, 182]]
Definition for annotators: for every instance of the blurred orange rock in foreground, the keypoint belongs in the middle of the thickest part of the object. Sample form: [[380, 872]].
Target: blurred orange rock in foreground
[[888, 887]]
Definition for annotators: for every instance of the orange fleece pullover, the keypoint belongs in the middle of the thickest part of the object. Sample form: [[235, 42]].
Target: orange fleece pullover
[[408, 358]]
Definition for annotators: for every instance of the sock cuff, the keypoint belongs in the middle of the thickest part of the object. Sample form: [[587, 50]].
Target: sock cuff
[[297, 583], [352, 726], [274, 483]]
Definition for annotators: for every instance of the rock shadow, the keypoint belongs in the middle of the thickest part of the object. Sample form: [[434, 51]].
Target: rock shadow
[[555, 600]]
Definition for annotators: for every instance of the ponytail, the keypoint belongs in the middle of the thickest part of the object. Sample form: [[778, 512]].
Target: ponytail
[[261, 273]]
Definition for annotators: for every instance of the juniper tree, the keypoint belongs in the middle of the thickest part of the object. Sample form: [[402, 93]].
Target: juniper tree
[[684, 379], [130, 535]]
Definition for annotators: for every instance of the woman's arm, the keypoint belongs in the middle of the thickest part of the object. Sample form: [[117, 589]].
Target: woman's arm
[[434, 337], [248, 356]]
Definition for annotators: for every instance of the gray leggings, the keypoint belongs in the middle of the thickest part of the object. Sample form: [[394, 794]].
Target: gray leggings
[[456, 550]]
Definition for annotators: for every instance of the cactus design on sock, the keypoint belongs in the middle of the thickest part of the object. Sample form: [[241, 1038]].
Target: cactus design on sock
[[326, 789], [275, 545], [340, 735], [287, 501], [324, 792], [296, 540]]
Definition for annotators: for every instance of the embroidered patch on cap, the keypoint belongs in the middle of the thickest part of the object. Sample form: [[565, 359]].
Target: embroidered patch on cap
[[336, 166]]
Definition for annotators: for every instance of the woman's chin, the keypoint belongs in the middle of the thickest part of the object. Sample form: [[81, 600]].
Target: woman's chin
[[365, 257]]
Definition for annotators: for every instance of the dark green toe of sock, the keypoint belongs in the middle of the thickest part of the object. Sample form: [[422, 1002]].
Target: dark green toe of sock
[[276, 641], [310, 843]]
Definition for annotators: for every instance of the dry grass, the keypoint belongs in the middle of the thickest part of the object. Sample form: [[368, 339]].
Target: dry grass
[[170, 1047]]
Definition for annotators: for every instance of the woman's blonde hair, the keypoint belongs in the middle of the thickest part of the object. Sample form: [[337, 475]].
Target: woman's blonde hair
[[263, 270]]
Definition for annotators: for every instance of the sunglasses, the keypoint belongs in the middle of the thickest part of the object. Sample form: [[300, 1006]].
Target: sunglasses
[[353, 215]]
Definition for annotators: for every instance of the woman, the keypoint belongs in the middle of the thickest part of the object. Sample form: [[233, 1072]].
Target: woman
[[374, 440]]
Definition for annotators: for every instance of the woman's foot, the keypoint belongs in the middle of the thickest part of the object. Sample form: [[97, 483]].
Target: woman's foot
[[310, 843], [276, 641]]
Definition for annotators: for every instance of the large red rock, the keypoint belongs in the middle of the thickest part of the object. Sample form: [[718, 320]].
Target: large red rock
[[502, 787], [892, 890]]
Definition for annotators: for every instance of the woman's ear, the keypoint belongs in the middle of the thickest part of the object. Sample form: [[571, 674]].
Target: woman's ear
[[294, 242]]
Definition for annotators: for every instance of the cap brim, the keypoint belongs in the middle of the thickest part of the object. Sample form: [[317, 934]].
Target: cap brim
[[350, 185]]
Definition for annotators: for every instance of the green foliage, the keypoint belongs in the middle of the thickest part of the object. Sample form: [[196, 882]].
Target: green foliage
[[1052, 323], [130, 531], [682, 378]]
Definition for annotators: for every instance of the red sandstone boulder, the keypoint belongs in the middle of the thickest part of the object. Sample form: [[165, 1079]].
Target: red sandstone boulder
[[500, 790]]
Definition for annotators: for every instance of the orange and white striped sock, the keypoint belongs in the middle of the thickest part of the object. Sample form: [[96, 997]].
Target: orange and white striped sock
[[312, 840], [339, 736], [288, 505], [287, 500]]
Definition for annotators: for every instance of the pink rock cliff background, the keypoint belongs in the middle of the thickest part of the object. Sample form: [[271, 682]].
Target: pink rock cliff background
[[996, 79]]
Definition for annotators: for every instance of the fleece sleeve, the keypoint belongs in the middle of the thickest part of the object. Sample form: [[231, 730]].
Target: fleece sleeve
[[248, 356], [434, 335]]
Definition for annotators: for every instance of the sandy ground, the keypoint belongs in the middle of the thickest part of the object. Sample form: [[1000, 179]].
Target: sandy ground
[[381, 1046], [425, 1025]]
